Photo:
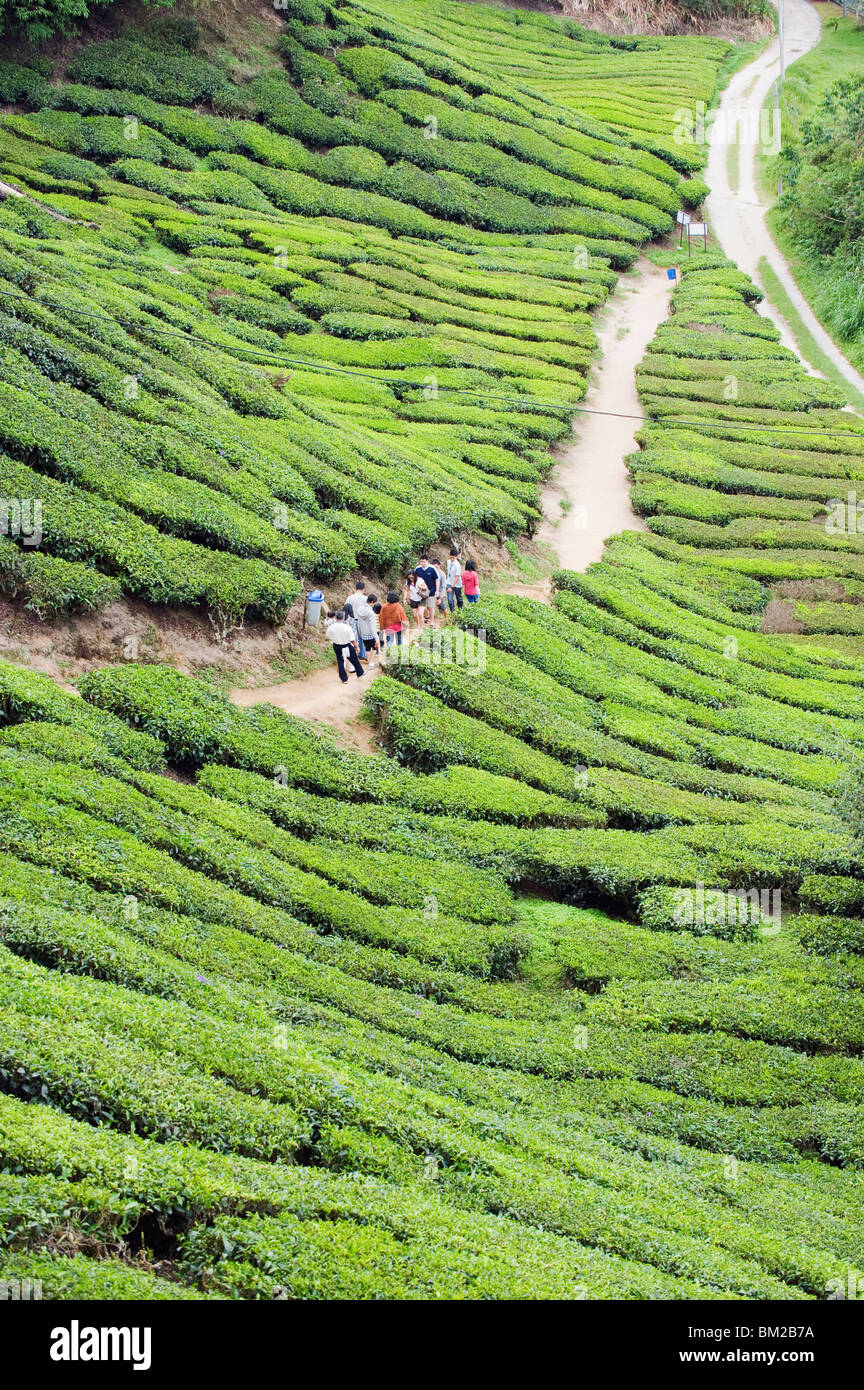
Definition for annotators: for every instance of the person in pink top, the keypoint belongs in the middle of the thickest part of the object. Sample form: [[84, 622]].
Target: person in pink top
[[471, 581]]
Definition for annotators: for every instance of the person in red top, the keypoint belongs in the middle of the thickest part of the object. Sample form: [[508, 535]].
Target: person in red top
[[471, 581], [392, 619]]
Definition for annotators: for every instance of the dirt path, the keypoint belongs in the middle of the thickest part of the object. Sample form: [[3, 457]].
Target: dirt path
[[591, 475], [321, 698], [8, 190], [591, 478], [738, 217]]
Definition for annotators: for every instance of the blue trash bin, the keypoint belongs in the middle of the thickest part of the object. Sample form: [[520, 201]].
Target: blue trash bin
[[314, 604]]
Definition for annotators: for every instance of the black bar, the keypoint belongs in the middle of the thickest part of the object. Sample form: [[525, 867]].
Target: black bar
[[225, 1341]]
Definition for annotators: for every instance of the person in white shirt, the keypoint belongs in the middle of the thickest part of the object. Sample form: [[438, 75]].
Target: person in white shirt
[[341, 634], [351, 607], [454, 581]]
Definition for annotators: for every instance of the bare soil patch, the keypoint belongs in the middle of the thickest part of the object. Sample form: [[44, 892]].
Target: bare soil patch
[[814, 591], [659, 17], [779, 617], [254, 655]]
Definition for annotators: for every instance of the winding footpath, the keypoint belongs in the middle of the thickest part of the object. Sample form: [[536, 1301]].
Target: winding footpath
[[737, 218], [321, 698], [591, 476]]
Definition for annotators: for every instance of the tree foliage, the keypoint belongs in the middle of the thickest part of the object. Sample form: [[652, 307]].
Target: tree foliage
[[824, 200], [38, 20]]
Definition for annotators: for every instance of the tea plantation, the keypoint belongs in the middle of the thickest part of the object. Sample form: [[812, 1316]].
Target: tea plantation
[[311, 319], [285, 1021]]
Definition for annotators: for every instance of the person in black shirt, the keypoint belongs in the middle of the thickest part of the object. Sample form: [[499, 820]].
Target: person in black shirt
[[427, 571]]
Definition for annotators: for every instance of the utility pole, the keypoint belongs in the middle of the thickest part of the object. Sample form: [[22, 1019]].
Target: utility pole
[[782, 54]]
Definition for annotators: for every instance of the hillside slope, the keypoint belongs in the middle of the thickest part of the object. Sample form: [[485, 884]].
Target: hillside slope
[[305, 313], [287, 1033], [262, 1042], [561, 996]]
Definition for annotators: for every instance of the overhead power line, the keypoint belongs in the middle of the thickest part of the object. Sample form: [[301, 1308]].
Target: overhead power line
[[256, 355]]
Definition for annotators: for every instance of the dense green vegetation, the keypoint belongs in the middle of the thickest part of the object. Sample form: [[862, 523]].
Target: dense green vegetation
[[269, 1027], [820, 217], [284, 1020], [39, 20], [339, 308]]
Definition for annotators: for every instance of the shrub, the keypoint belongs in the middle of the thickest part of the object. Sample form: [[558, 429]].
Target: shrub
[[832, 893], [316, 954], [26, 695], [665, 909], [50, 586], [423, 733], [370, 326], [375, 69], [78, 526], [20, 83], [141, 68], [65, 1277], [828, 935], [198, 724]]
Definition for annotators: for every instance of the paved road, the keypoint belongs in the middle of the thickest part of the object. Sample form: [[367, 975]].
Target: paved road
[[738, 218]]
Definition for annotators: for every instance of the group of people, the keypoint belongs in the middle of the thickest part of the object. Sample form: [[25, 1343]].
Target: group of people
[[430, 588], [364, 625]]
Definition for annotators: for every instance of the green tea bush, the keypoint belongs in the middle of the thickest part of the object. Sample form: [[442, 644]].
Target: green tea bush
[[65, 1277], [828, 935], [27, 695], [50, 586], [142, 68], [367, 326], [831, 893]]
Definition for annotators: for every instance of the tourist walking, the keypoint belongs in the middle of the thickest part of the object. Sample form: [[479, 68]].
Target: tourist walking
[[393, 620], [441, 599], [341, 634], [471, 581], [356, 600], [364, 612], [379, 640], [454, 581], [427, 570], [416, 594]]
